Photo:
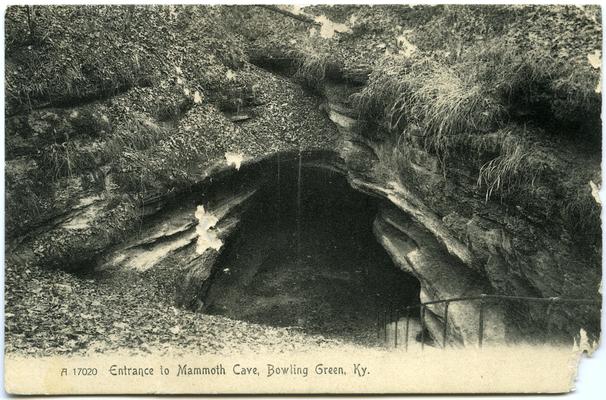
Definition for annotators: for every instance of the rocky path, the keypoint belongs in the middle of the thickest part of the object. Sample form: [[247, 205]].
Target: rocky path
[[53, 312]]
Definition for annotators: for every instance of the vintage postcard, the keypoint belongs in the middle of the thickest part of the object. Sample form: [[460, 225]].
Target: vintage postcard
[[301, 199]]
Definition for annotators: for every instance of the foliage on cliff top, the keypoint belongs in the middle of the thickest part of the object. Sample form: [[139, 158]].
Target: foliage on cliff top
[[66, 54], [491, 86], [137, 100], [516, 87], [451, 69], [495, 85], [454, 72]]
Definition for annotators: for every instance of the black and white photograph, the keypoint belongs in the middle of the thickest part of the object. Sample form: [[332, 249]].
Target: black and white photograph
[[324, 198]]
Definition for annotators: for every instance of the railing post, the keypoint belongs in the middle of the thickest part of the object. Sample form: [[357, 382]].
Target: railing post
[[378, 323], [385, 325], [385, 314], [481, 324], [395, 329], [422, 327], [407, 324], [391, 307], [549, 313], [445, 333]]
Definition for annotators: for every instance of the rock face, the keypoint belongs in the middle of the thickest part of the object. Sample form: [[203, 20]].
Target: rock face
[[442, 276], [488, 250], [457, 244], [453, 242], [450, 254], [128, 164], [190, 233], [417, 240]]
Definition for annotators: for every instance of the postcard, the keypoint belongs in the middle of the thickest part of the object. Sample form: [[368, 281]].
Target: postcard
[[282, 199]]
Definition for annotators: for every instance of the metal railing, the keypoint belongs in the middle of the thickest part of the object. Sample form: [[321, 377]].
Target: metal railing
[[386, 316]]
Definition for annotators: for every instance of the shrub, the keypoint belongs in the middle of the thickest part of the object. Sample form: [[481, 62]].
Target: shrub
[[581, 214], [134, 134], [490, 88], [311, 70], [69, 159], [172, 109], [511, 168]]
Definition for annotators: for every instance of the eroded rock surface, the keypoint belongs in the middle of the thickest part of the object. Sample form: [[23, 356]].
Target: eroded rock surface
[[456, 243], [111, 164]]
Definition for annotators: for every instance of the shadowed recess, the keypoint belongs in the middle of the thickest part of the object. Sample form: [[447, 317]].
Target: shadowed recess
[[305, 256]]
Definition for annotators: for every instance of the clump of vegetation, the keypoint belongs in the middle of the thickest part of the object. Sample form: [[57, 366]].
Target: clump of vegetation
[[511, 168], [138, 133], [493, 89], [96, 64], [493, 86], [133, 137], [171, 110], [311, 69], [60, 160], [26, 202], [582, 214], [90, 53], [91, 123]]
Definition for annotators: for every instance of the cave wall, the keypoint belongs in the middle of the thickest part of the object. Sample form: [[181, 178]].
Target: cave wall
[[435, 227], [458, 242], [432, 227]]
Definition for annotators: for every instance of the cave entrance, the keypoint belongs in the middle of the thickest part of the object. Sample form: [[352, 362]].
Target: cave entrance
[[305, 256]]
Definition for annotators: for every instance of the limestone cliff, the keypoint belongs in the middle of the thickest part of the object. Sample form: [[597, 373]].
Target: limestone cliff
[[173, 100]]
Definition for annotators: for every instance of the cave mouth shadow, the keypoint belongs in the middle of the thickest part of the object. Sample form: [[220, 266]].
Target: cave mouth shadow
[[305, 256]]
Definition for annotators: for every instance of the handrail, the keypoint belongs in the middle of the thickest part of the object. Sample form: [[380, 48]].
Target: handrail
[[482, 298], [505, 297]]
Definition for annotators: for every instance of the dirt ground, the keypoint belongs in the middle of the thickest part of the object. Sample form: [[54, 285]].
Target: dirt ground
[[313, 264]]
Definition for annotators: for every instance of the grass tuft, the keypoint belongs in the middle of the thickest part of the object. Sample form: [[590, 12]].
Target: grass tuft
[[511, 168], [138, 133], [311, 70], [491, 90], [581, 213]]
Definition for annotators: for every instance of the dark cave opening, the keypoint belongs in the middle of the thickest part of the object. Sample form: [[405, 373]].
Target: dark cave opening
[[305, 256]]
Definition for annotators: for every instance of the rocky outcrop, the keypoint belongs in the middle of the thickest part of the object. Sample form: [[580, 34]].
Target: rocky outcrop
[[103, 175], [454, 250], [415, 250], [415, 237], [191, 235], [437, 228], [455, 241]]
